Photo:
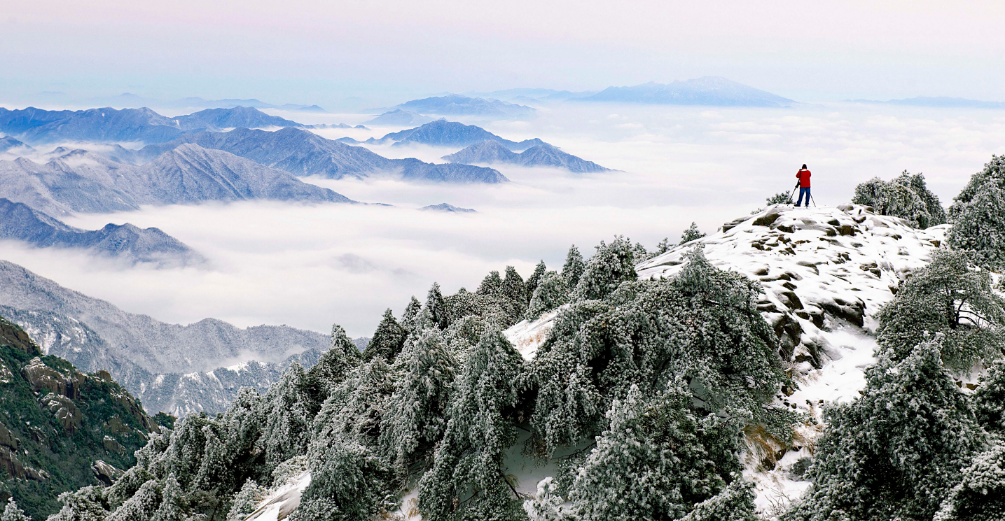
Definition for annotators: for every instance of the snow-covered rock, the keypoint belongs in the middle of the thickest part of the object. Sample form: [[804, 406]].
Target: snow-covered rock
[[282, 501]]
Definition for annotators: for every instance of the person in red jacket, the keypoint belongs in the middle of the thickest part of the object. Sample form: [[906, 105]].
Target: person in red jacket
[[803, 175]]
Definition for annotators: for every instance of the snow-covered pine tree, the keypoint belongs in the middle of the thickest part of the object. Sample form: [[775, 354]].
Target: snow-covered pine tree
[[127, 484], [735, 503], [173, 506], [515, 290], [288, 411], [411, 313], [691, 234], [467, 480], [141, 506], [573, 268], [491, 284], [989, 399], [246, 500], [535, 279], [550, 293], [980, 496], [611, 265], [895, 452], [85, 504], [906, 196], [355, 408], [414, 421], [664, 246], [348, 483], [341, 357], [547, 505], [435, 309], [656, 460], [779, 198], [11, 512], [946, 298], [978, 217], [387, 340], [639, 250]]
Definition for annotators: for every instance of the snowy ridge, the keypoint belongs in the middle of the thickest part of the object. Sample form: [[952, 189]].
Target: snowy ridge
[[825, 273]]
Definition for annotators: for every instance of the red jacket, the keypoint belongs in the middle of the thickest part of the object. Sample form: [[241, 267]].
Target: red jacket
[[804, 178]]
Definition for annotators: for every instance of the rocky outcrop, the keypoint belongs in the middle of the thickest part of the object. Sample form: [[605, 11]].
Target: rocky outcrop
[[7, 439], [14, 336], [42, 377], [65, 411], [105, 473]]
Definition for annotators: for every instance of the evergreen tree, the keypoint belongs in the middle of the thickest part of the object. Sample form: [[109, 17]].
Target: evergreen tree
[[780, 198], [355, 408], [387, 340], [173, 506], [949, 299], [341, 357], [288, 412], [86, 504], [656, 460], [436, 309], [664, 246], [348, 483], [12, 513], [547, 505], [246, 500], [896, 451], [989, 399], [140, 507], [612, 264], [514, 289], [491, 284], [906, 197], [535, 279], [980, 496], [467, 480], [736, 503], [573, 268], [411, 314], [691, 234], [978, 216], [549, 295], [415, 414]]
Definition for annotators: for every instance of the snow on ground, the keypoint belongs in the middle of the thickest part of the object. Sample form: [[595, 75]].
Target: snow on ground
[[281, 502], [825, 273], [527, 336]]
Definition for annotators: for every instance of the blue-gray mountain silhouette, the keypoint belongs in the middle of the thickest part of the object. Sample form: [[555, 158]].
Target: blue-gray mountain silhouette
[[445, 207], [490, 152], [8, 143], [82, 181], [304, 153], [33, 125], [457, 105], [709, 90], [20, 222], [399, 117], [445, 133]]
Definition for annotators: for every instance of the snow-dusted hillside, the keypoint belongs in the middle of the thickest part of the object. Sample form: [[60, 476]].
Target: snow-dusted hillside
[[825, 273]]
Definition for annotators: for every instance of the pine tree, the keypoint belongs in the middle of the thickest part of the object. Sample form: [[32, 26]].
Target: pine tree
[[246, 500], [348, 483], [664, 246], [12, 513], [387, 340], [691, 234], [140, 507], [895, 452], [436, 309], [288, 410], [612, 264], [656, 460], [989, 399], [905, 196], [949, 299], [491, 284], [551, 293], [356, 407], [514, 289], [415, 414], [411, 314], [86, 504], [535, 279], [978, 216], [736, 503], [173, 506], [980, 496], [342, 356], [573, 268], [547, 505], [469, 460], [779, 198]]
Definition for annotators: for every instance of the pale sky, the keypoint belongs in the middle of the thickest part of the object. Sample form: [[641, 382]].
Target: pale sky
[[389, 51]]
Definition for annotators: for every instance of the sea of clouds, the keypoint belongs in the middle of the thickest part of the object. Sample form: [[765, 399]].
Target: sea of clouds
[[309, 266]]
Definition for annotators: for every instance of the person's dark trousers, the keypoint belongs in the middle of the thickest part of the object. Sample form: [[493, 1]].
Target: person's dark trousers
[[804, 191]]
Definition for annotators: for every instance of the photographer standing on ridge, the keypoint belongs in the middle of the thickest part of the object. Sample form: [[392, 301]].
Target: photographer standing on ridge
[[803, 175]]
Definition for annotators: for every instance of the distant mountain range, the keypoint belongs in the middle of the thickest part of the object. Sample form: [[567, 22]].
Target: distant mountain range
[[457, 105], [8, 143], [150, 245], [304, 153], [489, 152], [172, 368], [128, 100], [533, 95], [445, 133], [709, 90], [940, 102], [35, 126], [82, 181], [399, 117], [444, 207]]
